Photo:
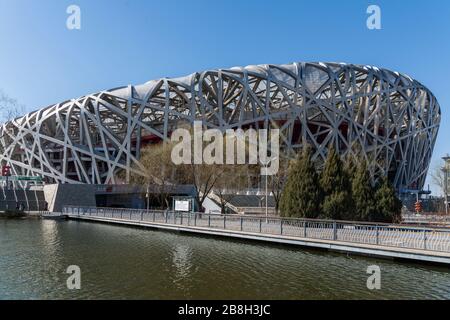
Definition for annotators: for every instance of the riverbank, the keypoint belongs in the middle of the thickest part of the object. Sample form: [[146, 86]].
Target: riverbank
[[12, 214]]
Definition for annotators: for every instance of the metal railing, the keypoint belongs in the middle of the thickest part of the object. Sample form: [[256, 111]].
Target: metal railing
[[426, 218], [432, 239]]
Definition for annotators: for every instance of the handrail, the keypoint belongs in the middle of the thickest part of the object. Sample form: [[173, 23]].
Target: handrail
[[387, 235], [355, 223]]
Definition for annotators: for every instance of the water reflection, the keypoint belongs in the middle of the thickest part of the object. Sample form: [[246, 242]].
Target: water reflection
[[119, 262], [182, 260], [49, 237], [182, 263]]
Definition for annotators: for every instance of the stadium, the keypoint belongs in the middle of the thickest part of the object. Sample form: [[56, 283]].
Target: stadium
[[386, 117]]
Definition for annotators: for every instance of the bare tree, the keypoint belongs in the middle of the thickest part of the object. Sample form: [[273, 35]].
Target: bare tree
[[220, 177], [160, 173], [438, 176], [9, 108], [234, 178], [203, 177], [278, 180]]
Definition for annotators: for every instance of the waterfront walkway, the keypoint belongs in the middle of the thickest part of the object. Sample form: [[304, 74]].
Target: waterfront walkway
[[382, 240]]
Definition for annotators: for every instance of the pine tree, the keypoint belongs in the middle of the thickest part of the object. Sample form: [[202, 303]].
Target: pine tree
[[336, 186], [302, 195], [363, 194], [387, 204], [350, 168]]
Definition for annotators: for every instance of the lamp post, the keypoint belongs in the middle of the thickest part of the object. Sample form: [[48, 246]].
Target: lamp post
[[266, 164], [147, 195], [445, 170]]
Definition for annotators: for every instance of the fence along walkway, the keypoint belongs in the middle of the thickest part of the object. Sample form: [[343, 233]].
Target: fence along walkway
[[429, 239]]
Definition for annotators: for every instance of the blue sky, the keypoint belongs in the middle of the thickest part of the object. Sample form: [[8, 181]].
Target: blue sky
[[129, 42]]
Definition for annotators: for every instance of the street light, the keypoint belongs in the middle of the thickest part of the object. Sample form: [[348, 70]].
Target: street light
[[445, 170], [147, 195], [266, 164]]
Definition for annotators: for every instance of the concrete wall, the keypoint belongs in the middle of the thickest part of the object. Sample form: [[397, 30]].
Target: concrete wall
[[60, 195], [211, 206]]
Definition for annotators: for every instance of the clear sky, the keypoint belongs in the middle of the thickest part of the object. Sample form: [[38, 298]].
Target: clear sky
[[132, 41]]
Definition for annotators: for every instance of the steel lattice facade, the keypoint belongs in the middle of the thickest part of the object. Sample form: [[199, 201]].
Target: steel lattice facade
[[363, 111]]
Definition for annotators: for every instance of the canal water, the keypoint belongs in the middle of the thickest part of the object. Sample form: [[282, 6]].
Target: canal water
[[126, 263]]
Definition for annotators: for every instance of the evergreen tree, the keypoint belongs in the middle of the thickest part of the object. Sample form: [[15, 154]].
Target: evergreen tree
[[350, 167], [336, 186], [388, 205], [301, 196], [363, 194]]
